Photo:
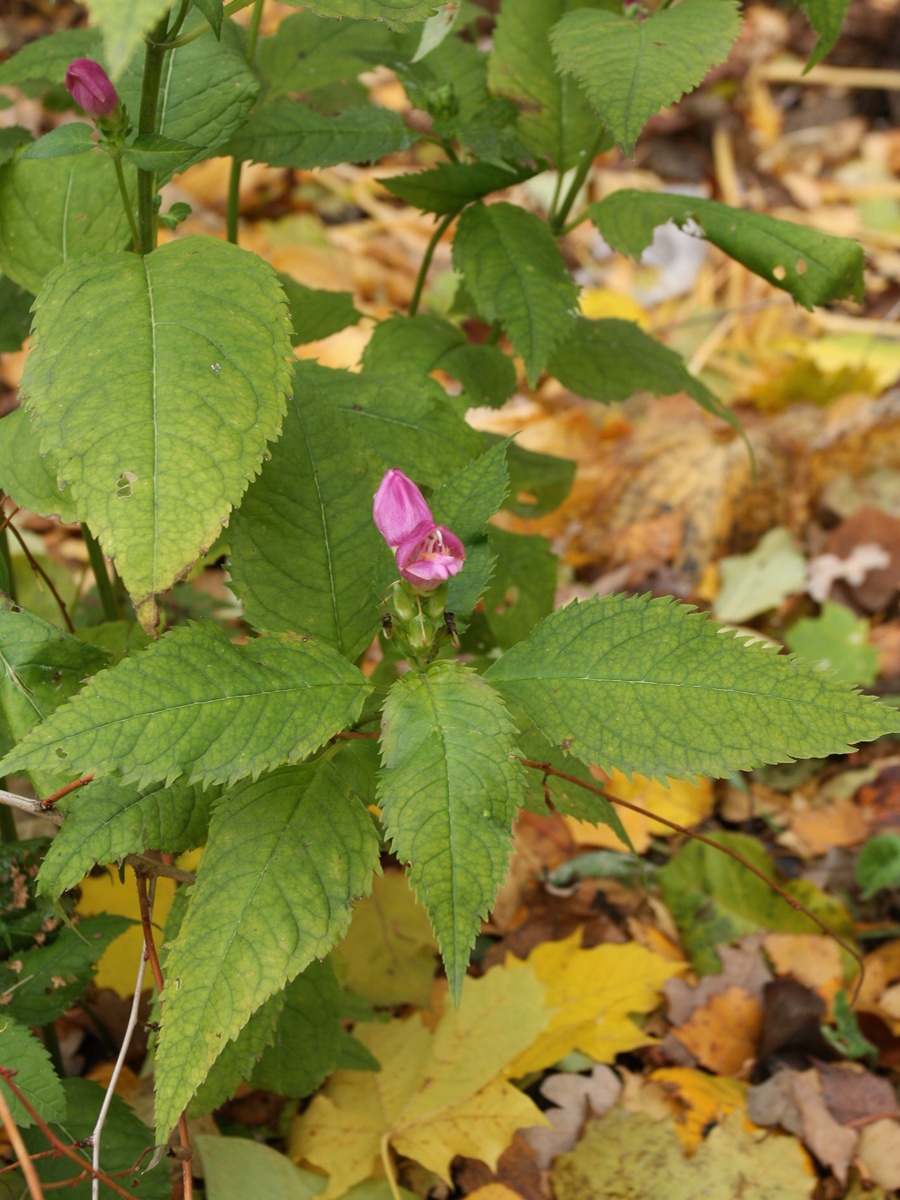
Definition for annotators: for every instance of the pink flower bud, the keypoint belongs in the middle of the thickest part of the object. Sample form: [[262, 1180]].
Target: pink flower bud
[[91, 87], [427, 554]]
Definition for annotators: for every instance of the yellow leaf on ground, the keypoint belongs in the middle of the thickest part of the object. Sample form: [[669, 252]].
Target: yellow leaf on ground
[[683, 802], [811, 958], [723, 1033], [593, 992], [493, 1191], [702, 1100], [841, 823], [603, 302]]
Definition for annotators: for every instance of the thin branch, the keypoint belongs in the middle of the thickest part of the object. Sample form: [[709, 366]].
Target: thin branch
[[547, 769], [36, 567], [34, 808], [49, 801], [15, 1140]]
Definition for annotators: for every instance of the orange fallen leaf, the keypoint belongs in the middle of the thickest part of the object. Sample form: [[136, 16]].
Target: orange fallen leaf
[[842, 823], [722, 1035], [702, 1100], [811, 958]]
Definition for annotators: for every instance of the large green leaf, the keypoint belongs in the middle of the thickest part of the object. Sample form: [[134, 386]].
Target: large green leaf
[[516, 275], [395, 12], [651, 686], [105, 822], [557, 122], [538, 482], [229, 1161], [287, 133], [316, 313], [55, 210], [827, 19], [814, 267], [194, 705], [27, 475], [161, 418], [308, 1034], [296, 848], [522, 587], [47, 58], [631, 67], [304, 549], [11, 138], [449, 187], [449, 791], [307, 52], [206, 91], [238, 1058], [123, 27], [22, 1052]]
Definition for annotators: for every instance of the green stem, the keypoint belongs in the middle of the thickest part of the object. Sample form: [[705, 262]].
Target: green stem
[[426, 262], [573, 224], [584, 166], [101, 574], [126, 201], [228, 11], [253, 31], [234, 179], [6, 555], [153, 64], [8, 831]]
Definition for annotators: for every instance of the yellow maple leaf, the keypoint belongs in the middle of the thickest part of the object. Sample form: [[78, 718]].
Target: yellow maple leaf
[[702, 1100], [677, 799], [593, 992], [438, 1094]]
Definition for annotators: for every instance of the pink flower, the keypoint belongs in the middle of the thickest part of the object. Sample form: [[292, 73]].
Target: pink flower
[[427, 554], [91, 87]]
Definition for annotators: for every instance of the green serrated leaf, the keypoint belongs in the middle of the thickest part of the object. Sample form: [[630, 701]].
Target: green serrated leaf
[[160, 154], [28, 476], [610, 360], [827, 19], [39, 985], [105, 822], [212, 10], [55, 210], [487, 374], [516, 275], [194, 705], [315, 312], [813, 267], [838, 641], [15, 319], [304, 1047], [395, 12], [123, 27], [557, 122], [449, 790], [523, 585], [23, 1053], [238, 1058], [651, 686], [287, 133], [206, 92], [630, 68], [197, 376], [472, 495], [304, 549], [451, 186], [308, 52], [26, 919], [117, 638], [72, 138], [878, 865], [538, 483], [48, 58], [297, 846]]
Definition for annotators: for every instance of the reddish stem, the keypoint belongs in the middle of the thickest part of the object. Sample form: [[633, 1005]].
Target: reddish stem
[[49, 801], [21, 1153]]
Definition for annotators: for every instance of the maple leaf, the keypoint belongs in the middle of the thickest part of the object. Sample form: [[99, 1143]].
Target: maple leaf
[[593, 993]]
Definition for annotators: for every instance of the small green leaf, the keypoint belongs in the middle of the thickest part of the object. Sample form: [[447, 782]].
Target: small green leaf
[[64, 140], [212, 10], [813, 267], [23, 1053], [516, 275], [296, 847], [287, 133], [197, 376], [160, 154], [523, 585], [753, 583], [650, 686], [228, 1162], [838, 641], [307, 53], [472, 495], [487, 374], [48, 58], [123, 27], [316, 313], [28, 476], [11, 139], [827, 19], [15, 319], [631, 68], [105, 822], [451, 186], [307, 1037], [304, 549], [395, 12], [878, 866], [39, 985], [449, 790], [194, 705], [538, 483], [57, 209]]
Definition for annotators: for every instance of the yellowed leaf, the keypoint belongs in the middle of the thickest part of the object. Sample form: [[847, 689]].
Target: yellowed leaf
[[702, 1100], [343, 1141], [683, 802], [841, 823], [811, 958], [592, 992], [723, 1033], [603, 302], [493, 1191]]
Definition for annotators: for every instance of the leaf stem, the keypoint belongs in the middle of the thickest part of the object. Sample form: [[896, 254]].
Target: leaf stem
[[559, 219], [35, 1191], [237, 164], [101, 575], [39, 570], [146, 187], [175, 43], [126, 201], [439, 232], [5, 553]]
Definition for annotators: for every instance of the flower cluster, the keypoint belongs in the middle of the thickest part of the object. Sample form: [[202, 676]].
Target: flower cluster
[[427, 554]]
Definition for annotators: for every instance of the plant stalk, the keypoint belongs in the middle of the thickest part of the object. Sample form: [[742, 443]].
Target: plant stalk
[[126, 202], [234, 179], [559, 219], [6, 554], [154, 57], [426, 262], [105, 587]]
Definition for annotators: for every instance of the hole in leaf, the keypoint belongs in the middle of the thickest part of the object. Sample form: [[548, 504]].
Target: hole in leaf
[[801, 266], [779, 272], [123, 484]]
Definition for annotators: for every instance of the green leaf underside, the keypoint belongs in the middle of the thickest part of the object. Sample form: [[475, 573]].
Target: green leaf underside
[[827, 19], [304, 549], [287, 133], [315, 312], [297, 847], [630, 69], [72, 138], [393, 11], [48, 58], [229, 1161], [123, 27], [28, 476], [307, 1037], [449, 790], [105, 822], [22, 1052], [206, 92], [307, 52], [39, 985], [193, 704], [650, 686], [159, 420], [53, 211], [813, 267], [451, 186], [516, 275], [557, 122]]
